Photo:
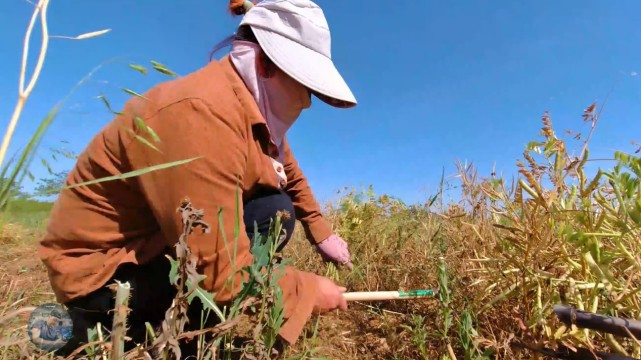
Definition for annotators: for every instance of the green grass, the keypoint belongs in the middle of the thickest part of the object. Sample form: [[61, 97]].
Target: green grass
[[30, 214]]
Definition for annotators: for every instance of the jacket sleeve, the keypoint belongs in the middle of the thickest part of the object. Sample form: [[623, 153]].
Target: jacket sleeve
[[187, 129], [308, 211]]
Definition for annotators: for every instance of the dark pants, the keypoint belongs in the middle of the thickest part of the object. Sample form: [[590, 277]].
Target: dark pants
[[152, 294]]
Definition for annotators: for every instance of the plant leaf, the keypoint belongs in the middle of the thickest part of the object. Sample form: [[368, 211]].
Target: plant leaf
[[143, 140], [46, 164], [134, 173], [141, 125], [432, 201], [92, 34], [205, 297], [162, 68], [108, 105], [139, 68], [131, 92], [21, 168], [173, 271]]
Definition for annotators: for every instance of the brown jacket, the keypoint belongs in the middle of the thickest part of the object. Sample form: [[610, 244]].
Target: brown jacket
[[208, 114]]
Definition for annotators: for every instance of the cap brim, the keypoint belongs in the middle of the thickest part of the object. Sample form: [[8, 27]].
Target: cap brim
[[316, 71]]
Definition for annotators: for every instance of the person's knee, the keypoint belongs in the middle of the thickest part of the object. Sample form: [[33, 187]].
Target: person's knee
[[260, 211]]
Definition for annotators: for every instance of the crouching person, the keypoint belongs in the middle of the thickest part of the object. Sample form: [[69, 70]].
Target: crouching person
[[230, 117]]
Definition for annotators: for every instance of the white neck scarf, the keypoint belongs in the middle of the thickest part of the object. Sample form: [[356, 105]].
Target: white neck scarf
[[280, 98]]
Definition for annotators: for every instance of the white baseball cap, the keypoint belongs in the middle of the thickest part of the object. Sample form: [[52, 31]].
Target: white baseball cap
[[295, 35]]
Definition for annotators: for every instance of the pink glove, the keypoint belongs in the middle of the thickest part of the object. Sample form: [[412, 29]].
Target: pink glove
[[334, 249]]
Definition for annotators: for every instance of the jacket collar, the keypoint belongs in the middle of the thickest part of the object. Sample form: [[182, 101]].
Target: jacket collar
[[244, 96], [247, 101]]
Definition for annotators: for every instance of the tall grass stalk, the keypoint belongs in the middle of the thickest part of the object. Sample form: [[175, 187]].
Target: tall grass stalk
[[24, 92]]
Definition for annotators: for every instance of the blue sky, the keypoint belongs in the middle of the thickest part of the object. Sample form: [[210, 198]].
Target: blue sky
[[437, 82]]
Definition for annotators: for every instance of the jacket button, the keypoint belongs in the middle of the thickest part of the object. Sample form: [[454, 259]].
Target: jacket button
[[279, 169], [283, 183]]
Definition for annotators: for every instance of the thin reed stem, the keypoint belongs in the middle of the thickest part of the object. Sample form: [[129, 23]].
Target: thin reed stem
[[24, 93]]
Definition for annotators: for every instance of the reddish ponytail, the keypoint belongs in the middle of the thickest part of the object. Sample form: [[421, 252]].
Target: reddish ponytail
[[237, 7], [244, 32]]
